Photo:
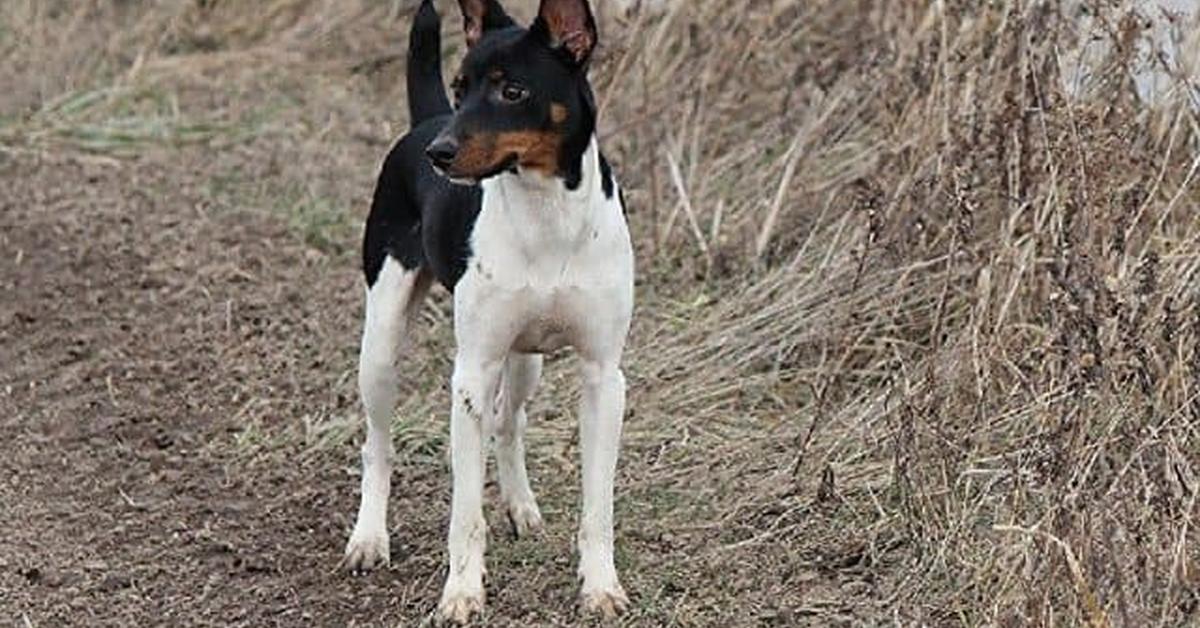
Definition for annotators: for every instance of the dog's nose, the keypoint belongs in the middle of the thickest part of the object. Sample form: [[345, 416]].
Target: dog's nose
[[442, 151]]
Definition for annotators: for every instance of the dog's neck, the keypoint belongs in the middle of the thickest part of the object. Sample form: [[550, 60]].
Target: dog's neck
[[532, 190], [537, 184], [541, 210]]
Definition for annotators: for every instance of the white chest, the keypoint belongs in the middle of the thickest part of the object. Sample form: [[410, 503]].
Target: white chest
[[549, 267]]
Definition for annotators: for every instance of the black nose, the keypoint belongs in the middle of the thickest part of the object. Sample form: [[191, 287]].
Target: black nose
[[442, 151]]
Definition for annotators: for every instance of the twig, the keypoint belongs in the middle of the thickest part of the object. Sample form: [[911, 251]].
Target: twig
[[686, 203]]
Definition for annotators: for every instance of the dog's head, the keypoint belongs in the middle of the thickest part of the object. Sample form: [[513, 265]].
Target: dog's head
[[522, 100]]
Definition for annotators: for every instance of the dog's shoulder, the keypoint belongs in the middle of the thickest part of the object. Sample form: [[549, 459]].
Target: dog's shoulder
[[417, 216]]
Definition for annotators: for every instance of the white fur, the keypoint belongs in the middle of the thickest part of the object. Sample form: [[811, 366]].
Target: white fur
[[520, 378], [551, 267], [392, 302]]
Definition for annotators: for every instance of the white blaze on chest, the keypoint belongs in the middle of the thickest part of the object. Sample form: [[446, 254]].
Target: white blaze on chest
[[546, 259]]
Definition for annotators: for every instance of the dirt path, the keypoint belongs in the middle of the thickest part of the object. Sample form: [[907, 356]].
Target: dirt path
[[136, 326], [162, 355]]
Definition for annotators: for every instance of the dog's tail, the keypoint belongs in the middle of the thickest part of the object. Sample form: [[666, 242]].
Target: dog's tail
[[426, 91]]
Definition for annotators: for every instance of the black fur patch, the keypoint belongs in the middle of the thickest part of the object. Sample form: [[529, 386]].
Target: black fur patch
[[606, 178], [417, 216]]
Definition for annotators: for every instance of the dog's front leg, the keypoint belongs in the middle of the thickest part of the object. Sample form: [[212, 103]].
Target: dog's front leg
[[474, 390], [600, 418]]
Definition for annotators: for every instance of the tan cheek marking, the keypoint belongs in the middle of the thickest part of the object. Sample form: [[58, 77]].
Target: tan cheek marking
[[535, 150], [478, 154]]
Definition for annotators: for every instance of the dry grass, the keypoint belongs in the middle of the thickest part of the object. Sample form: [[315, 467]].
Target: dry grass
[[919, 283]]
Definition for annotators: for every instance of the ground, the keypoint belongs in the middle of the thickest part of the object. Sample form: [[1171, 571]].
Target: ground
[[917, 338], [144, 330]]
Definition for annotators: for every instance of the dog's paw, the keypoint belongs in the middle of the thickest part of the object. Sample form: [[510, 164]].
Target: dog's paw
[[608, 603], [458, 606], [366, 551], [525, 519]]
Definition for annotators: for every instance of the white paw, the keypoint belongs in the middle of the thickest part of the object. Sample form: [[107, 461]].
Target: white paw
[[608, 602], [525, 518], [366, 551], [459, 604]]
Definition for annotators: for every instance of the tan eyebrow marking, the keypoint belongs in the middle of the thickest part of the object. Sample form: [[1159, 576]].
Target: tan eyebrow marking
[[558, 113]]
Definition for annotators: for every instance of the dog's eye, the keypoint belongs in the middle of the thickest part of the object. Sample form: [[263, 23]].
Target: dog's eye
[[513, 93]]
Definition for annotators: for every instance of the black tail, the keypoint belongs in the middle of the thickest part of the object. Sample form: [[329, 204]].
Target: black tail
[[426, 91]]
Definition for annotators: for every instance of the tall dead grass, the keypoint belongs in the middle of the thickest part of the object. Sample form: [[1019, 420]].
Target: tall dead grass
[[942, 254], [953, 252]]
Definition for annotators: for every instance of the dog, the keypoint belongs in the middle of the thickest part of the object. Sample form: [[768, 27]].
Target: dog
[[506, 200]]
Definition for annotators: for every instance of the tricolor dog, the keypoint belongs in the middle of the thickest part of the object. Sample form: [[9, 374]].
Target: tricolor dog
[[506, 200]]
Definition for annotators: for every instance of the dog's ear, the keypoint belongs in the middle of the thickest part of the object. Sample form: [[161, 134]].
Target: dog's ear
[[480, 16], [568, 25]]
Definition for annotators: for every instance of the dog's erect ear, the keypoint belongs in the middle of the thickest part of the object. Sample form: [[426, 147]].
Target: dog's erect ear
[[480, 16], [568, 25]]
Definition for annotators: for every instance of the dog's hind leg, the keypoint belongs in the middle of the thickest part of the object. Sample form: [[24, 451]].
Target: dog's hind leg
[[521, 375], [393, 300]]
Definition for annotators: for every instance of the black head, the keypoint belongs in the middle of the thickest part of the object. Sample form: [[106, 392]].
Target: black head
[[522, 99]]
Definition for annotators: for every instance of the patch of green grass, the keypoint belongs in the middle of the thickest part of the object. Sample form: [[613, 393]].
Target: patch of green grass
[[420, 439], [123, 121], [522, 553], [324, 433], [255, 440], [320, 223], [658, 502]]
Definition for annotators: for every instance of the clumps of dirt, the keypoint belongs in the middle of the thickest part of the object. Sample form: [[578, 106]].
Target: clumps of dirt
[[143, 336]]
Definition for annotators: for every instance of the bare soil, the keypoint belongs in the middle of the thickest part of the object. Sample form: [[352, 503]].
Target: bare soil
[[142, 326], [136, 328]]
